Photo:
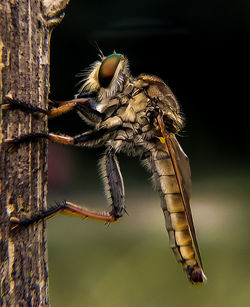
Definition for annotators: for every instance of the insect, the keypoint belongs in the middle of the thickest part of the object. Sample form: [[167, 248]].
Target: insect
[[138, 116]]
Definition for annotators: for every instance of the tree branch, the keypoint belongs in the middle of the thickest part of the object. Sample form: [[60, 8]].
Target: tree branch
[[25, 27]]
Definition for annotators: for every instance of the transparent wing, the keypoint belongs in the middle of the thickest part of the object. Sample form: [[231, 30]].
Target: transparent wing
[[183, 165], [183, 174]]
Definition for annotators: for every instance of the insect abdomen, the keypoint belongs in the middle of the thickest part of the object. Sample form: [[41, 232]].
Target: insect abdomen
[[175, 217]]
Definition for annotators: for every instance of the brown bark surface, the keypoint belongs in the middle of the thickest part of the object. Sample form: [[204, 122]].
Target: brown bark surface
[[25, 28]]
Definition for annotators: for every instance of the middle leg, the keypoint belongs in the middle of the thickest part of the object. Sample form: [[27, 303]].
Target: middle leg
[[86, 139]]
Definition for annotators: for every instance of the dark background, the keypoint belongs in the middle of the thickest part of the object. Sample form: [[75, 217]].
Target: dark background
[[201, 50]]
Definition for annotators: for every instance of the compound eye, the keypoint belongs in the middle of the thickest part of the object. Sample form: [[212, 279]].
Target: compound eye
[[108, 68]]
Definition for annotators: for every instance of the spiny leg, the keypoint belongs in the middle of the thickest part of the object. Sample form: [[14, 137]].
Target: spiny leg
[[113, 182], [88, 138], [56, 108], [86, 108], [114, 190], [10, 104], [11, 143], [66, 208]]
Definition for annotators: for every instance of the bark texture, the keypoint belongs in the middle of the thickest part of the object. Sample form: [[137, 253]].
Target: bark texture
[[25, 29]]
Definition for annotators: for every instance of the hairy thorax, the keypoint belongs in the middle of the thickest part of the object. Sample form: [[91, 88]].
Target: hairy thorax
[[133, 114]]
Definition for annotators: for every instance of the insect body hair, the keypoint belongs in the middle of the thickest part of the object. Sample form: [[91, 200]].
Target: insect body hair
[[91, 83]]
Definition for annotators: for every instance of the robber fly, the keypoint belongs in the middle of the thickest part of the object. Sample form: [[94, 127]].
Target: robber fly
[[140, 117]]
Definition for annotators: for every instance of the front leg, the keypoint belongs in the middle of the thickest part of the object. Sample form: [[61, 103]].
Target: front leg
[[55, 107], [86, 108]]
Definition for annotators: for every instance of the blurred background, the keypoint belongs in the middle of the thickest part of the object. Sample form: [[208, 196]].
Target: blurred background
[[201, 50]]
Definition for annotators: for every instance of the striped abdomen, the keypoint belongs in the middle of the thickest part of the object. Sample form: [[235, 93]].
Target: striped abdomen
[[172, 202]]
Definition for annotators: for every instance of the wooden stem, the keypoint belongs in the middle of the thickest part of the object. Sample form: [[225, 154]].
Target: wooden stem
[[25, 29]]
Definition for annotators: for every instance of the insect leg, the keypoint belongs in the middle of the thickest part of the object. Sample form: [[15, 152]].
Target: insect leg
[[65, 208], [57, 108], [86, 109], [11, 143], [62, 106], [113, 182], [84, 106], [88, 138], [10, 104]]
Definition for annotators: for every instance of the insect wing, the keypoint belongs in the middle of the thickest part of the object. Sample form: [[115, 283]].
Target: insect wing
[[183, 173], [183, 165], [184, 170]]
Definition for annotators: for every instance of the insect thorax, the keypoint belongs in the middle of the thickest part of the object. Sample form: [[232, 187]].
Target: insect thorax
[[134, 109], [131, 105]]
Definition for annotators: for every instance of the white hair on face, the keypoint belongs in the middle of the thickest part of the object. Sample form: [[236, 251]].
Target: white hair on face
[[91, 82]]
